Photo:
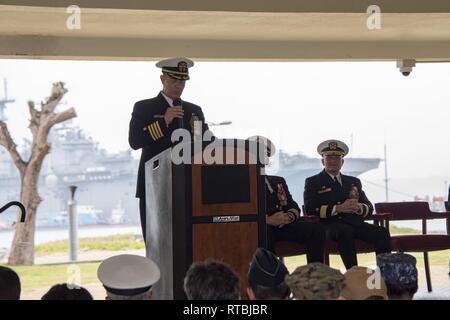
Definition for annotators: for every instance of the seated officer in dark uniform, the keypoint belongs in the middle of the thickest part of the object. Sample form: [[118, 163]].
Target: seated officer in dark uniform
[[283, 215], [342, 205], [154, 120]]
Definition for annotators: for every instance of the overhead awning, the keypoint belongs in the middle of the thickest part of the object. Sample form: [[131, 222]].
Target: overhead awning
[[254, 30]]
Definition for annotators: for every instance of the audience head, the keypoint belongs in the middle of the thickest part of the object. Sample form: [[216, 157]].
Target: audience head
[[364, 284], [128, 277], [65, 291], [266, 277], [211, 280], [400, 274], [315, 281], [9, 284]]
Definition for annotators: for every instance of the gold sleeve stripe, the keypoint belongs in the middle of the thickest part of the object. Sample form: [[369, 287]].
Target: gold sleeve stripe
[[155, 130], [365, 209], [154, 136], [323, 212], [159, 129], [151, 133]]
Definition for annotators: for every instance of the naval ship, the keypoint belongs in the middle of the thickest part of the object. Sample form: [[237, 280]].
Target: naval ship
[[106, 181]]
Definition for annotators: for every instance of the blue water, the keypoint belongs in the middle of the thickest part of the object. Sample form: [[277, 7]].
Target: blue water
[[46, 235]]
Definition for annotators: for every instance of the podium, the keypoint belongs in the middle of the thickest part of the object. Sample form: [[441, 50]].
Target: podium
[[204, 209]]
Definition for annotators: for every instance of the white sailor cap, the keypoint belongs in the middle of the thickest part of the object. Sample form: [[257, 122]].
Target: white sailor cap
[[128, 274], [332, 148], [177, 68], [266, 142]]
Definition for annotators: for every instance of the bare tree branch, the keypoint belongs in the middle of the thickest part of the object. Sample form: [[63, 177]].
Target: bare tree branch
[[40, 124], [32, 109], [7, 141], [35, 118], [62, 116], [58, 91]]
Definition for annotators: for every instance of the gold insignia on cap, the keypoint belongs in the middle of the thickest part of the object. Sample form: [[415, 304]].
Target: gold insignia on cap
[[332, 145], [182, 66]]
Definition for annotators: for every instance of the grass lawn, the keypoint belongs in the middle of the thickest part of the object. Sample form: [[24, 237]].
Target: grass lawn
[[113, 243], [127, 242], [368, 260], [48, 275]]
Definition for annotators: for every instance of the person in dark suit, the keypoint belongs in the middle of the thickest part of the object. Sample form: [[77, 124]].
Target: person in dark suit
[[283, 215], [154, 120], [342, 205]]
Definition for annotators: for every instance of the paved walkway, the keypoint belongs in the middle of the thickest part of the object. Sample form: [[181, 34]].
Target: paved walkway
[[439, 293]]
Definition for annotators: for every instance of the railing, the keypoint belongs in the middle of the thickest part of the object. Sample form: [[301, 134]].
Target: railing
[[15, 203]]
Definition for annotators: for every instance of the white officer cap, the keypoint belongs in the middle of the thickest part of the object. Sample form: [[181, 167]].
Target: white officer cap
[[266, 142], [177, 68], [332, 148], [128, 274]]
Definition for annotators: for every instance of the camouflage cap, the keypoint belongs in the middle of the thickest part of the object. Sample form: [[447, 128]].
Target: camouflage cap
[[315, 281], [397, 268]]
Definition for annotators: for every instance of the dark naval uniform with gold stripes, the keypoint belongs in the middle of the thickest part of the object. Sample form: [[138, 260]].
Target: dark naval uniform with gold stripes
[[148, 130], [322, 194], [311, 234]]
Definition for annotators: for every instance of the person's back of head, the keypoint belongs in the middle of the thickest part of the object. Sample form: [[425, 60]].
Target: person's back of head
[[211, 280], [9, 284], [65, 292], [363, 284], [316, 281], [266, 277], [400, 274]]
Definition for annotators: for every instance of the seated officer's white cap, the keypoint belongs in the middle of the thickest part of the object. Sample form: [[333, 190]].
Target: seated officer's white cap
[[177, 68], [266, 141], [128, 274], [332, 148]]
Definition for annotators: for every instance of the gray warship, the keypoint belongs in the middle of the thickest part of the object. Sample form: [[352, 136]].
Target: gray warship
[[106, 182]]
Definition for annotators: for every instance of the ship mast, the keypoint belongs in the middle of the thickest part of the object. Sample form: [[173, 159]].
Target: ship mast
[[4, 101]]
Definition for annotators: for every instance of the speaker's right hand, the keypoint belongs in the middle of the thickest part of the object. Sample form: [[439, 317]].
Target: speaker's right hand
[[172, 113]]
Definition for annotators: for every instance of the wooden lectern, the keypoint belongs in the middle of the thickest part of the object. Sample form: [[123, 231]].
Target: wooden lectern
[[198, 210]]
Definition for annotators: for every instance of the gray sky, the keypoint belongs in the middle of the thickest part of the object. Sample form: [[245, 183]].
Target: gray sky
[[297, 105]]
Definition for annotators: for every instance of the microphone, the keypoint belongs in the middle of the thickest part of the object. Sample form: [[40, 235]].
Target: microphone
[[177, 103]]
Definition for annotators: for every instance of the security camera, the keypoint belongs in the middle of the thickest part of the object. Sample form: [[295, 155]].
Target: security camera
[[406, 66]]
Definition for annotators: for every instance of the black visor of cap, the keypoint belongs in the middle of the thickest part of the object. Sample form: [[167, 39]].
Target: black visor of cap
[[176, 73], [127, 292]]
